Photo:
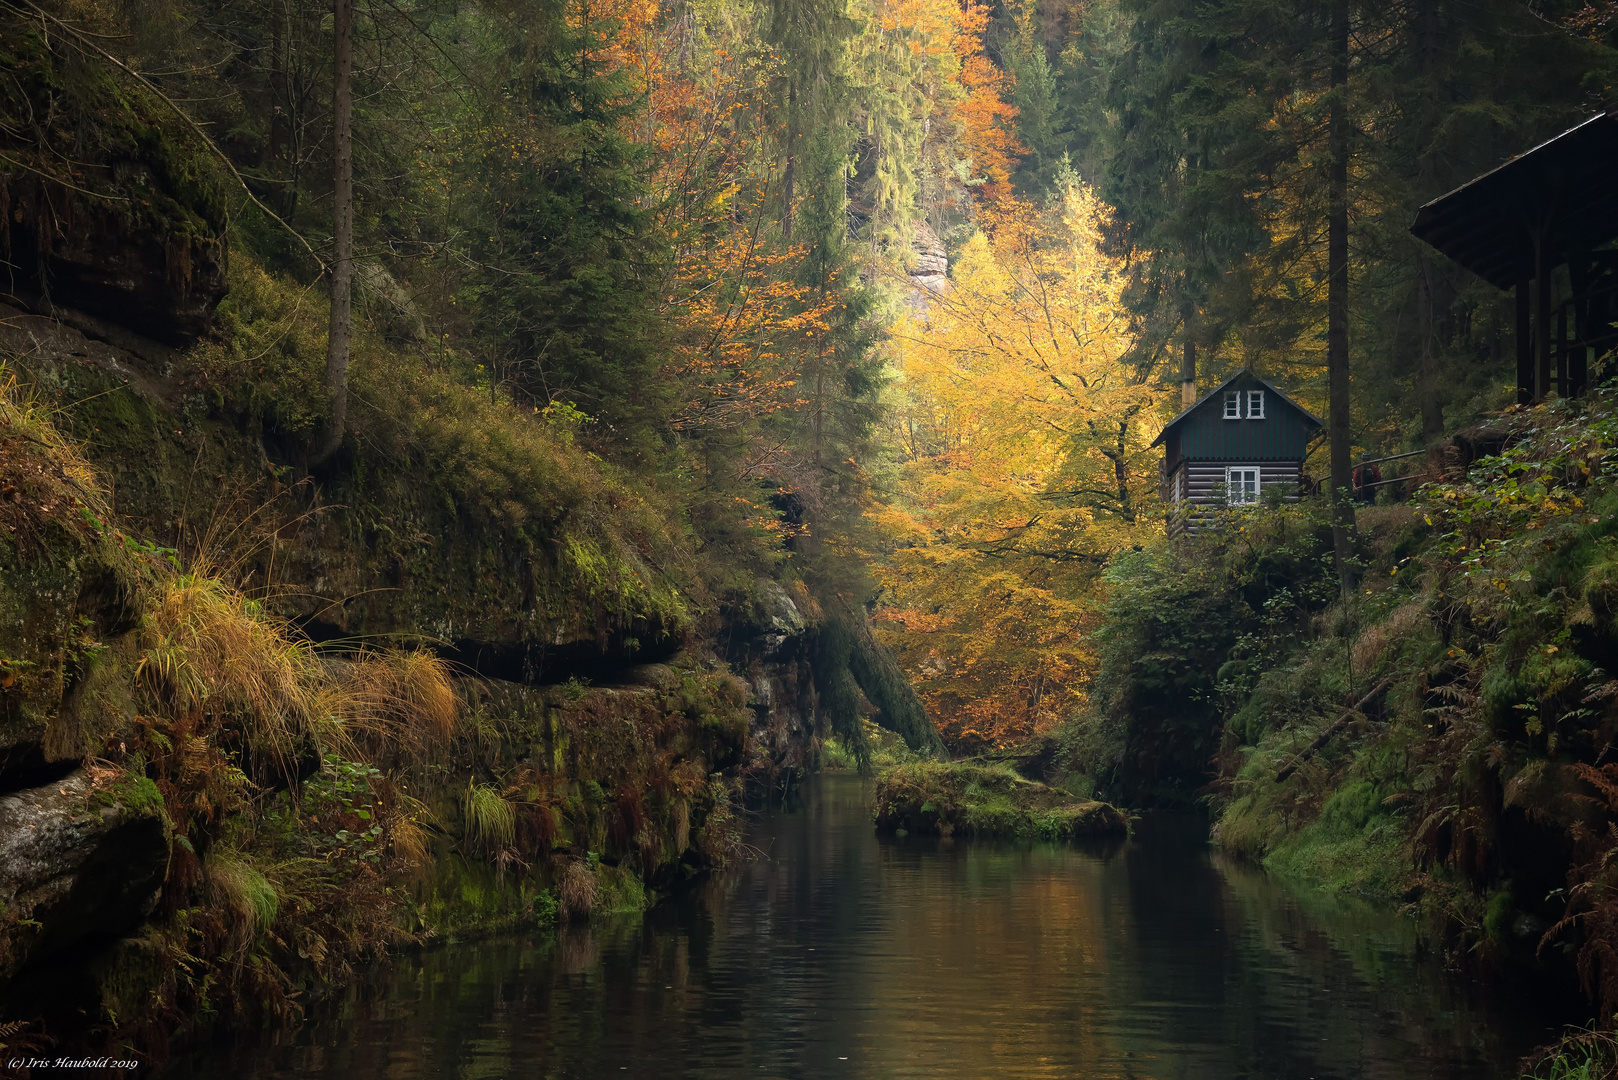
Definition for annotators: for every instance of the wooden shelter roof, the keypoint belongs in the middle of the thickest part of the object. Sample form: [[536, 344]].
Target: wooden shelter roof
[[1567, 187]]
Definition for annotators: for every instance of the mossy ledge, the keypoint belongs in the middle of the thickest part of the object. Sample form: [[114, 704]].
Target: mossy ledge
[[975, 799]]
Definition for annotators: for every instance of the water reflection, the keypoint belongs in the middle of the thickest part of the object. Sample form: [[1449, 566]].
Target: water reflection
[[844, 955]]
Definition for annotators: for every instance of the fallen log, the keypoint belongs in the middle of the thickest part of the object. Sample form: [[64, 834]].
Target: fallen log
[[1333, 728]]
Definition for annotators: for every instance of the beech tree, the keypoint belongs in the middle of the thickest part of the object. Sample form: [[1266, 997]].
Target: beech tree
[[1021, 435]]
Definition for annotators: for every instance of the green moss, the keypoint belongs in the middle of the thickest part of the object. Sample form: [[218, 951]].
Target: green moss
[[978, 799], [1497, 915], [465, 899], [1355, 845], [619, 892], [477, 514], [91, 105], [137, 794]]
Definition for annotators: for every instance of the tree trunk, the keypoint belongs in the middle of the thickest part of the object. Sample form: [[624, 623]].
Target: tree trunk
[[342, 270], [278, 88], [1430, 380], [1188, 361], [1337, 304], [788, 182], [1120, 470]]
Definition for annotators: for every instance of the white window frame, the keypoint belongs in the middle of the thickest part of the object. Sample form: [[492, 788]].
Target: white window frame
[[1255, 404], [1243, 485], [1233, 404]]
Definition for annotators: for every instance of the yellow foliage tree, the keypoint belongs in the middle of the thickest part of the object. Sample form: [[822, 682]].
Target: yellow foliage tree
[[1021, 442]]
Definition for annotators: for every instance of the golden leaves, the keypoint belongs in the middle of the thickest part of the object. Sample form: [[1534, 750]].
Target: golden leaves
[[1022, 464]]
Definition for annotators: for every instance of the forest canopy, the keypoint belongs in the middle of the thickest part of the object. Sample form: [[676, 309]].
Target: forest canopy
[[895, 292]]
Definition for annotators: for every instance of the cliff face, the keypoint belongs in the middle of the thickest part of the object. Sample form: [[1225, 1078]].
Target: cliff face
[[602, 728], [108, 202]]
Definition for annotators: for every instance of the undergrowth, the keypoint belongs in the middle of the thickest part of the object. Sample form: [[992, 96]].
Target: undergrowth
[[1438, 738], [308, 796]]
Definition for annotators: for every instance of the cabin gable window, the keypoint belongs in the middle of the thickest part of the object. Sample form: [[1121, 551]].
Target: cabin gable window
[[1233, 405], [1255, 404], [1241, 485]]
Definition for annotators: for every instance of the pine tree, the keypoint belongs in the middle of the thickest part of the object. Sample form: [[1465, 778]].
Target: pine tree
[[556, 219]]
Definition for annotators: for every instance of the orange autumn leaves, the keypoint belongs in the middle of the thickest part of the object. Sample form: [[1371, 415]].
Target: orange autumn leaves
[[986, 120], [1017, 432], [742, 325], [964, 98], [1023, 463]]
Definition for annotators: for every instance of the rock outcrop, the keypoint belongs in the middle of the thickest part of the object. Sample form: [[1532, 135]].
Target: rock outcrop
[[929, 275], [771, 649], [92, 254], [973, 799], [109, 203]]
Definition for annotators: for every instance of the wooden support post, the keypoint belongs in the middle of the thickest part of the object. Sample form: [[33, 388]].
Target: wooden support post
[[1543, 284], [1563, 387], [1579, 274], [1525, 348]]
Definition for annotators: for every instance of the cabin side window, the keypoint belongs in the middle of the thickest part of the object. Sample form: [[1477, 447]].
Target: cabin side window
[[1255, 404], [1241, 485], [1233, 405]]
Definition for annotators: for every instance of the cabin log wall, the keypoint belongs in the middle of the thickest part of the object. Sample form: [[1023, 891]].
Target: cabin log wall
[[1195, 489], [1205, 481]]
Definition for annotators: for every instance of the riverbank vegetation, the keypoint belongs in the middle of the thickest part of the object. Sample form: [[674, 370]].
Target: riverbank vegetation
[[1404, 701], [296, 806], [493, 623]]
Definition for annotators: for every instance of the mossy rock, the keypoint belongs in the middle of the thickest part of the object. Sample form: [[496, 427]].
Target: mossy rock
[[68, 594], [136, 232], [975, 799], [79, 860]]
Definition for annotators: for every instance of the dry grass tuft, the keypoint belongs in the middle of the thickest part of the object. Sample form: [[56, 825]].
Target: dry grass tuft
[[43, 476], [209, 651], [408, 836], [1386, 635], [576, 890], [403, 702]]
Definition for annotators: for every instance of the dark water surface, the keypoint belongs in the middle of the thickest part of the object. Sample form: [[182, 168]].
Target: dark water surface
[[841, 954]]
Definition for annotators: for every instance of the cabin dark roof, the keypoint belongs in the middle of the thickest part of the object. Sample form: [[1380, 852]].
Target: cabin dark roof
[[1310, 420], [1565, 186]]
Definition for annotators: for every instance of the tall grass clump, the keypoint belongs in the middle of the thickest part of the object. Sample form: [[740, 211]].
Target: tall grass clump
[[401, 705], [44, 471], [213, 660], [1580, 1055], [242, 891], [490, 820]]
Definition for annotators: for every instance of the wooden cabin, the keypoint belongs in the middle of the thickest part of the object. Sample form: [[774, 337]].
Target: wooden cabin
[[1554, 206], [1240, 439]]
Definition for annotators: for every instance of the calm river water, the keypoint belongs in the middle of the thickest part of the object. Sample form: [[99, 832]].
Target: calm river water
[[842, 954]]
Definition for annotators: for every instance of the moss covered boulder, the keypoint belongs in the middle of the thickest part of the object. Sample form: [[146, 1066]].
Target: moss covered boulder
[[67, 597], [974, 799]]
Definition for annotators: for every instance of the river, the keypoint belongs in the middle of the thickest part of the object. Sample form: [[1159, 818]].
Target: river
[[842, 954]]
